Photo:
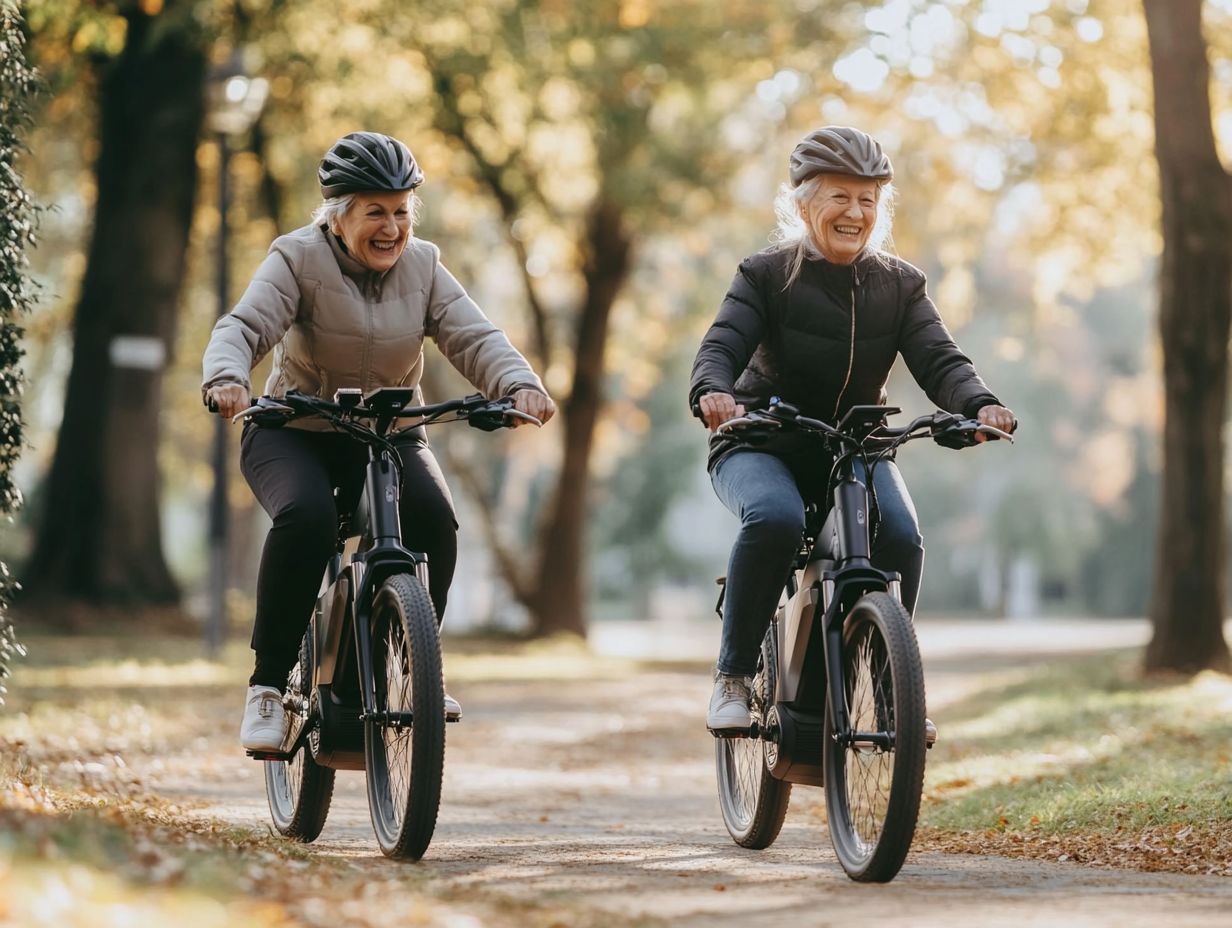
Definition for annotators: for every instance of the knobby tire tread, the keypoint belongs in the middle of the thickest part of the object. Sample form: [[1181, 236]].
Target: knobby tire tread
[[408, 602], [773, 795], [317, 787], [894, 624]]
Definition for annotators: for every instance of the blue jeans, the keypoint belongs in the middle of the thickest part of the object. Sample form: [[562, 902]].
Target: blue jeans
[[762, 492]]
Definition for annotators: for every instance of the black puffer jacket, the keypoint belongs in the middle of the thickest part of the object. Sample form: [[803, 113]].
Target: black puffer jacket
[[828, 342]]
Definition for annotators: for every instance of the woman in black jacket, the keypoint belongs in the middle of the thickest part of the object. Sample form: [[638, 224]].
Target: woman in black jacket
[[817, 319]]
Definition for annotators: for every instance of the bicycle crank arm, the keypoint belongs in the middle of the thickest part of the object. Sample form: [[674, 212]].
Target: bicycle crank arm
[[867, 740], [388, 719]]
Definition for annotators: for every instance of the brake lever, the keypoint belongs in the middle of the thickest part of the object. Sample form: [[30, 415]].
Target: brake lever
[[741, 421], [955, 432], [496, 416], [960, 433], [518, 414], [264, 406], [995, 433]]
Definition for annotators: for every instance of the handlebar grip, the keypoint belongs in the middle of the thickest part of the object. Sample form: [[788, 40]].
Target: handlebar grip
[[211, 405]]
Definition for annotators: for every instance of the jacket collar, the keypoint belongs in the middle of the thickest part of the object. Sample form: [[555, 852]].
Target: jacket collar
[[368, 280], [842, 277]]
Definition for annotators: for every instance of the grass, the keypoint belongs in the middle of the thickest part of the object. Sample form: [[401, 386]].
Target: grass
[[95, 856], [1087, 761]]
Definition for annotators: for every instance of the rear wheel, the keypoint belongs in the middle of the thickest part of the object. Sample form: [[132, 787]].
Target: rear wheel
[[404, 744], [875, 772], [299, 790], [753, 802]]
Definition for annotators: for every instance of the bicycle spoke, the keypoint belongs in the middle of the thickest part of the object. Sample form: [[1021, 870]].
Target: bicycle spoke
[[295, 767], [299, 791], [745, 758], [869, 769], [397, 699], [752, 801], [405, 761]]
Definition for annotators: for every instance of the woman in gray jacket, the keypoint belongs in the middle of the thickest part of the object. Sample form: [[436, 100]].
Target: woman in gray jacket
[[346, 301]]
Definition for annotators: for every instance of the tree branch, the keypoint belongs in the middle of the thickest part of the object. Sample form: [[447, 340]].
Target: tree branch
[[271, 190], [450, 122], [503, 554]]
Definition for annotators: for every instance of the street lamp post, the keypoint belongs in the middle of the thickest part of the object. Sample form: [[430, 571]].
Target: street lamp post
[[235, 103]]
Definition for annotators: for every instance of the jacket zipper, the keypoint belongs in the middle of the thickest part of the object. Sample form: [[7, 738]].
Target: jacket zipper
[[851, 356]]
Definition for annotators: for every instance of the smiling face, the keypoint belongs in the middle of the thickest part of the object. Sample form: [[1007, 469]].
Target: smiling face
[[841, 216], [376, 228]]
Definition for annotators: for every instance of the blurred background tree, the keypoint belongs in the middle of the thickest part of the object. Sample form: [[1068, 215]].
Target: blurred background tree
[[99, 541], [592, 127], [596, 172], [18, 87], [1195, 310]]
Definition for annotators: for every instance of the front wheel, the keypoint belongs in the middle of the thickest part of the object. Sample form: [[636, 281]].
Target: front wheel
[[753, 802], [299, 790], [404, 740], [875, 771]]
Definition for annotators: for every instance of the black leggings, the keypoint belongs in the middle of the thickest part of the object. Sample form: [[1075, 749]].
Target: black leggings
[[292, 473]]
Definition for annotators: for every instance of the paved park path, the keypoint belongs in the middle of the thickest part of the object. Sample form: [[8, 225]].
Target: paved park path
[[598, 793]]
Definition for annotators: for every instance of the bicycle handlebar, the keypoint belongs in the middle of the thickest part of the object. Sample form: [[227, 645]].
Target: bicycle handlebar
[[476, 410], [947, 429]]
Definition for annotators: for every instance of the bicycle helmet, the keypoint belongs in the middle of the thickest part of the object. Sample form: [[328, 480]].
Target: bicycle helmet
[[838, 150], [363, 161]]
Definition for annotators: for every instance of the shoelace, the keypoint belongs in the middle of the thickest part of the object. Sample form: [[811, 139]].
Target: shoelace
[[735, 688], [265, 707]]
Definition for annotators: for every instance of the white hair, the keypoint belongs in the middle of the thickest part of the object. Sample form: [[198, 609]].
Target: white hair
[[794, 234], [332, 209]]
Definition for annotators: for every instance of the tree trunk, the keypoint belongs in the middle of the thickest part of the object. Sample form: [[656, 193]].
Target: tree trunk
[[1187, 609], [100, 542], [558, 601]]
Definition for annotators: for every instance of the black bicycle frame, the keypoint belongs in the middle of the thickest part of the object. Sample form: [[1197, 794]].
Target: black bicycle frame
[[350, 589], [845, 573], [383, 556], [852, 576]]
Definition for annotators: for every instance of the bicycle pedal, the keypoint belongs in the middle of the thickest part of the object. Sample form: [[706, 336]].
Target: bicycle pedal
[[269, 755], [453, 716], [731, 732]]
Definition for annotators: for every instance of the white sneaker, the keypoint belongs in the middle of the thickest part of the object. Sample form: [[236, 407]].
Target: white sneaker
[[265, 721], [729, 704], [453, 711]]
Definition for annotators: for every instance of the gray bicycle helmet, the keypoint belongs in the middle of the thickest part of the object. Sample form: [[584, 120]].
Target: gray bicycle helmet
[[363, 161], [838, 150]]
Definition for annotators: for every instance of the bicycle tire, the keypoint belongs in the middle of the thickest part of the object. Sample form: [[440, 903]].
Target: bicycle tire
[[873, 794], [299, 790], [405, 767], [753, 803]]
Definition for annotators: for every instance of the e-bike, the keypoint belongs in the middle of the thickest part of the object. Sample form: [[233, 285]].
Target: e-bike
[[367, 692], [838, 696]]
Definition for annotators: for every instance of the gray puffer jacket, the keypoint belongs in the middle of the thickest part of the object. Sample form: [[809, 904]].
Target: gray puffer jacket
[[331, 322]]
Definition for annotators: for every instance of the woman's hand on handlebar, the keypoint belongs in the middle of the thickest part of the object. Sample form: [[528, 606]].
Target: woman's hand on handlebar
[[717, 408], [998, 417], [227, 399], [533, 403]]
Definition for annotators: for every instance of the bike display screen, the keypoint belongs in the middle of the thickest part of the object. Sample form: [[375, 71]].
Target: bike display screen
[[389, 399], [863, 419]]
